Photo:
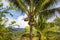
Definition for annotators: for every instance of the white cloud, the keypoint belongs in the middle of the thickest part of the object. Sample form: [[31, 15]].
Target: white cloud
[[51, 19], [57, 14], [19, 21], [9, 21], [5, 3]]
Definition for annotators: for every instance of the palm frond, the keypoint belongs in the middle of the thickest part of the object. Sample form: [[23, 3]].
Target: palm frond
[[49, 12], [20, 4], [42, 18], [43, 5]]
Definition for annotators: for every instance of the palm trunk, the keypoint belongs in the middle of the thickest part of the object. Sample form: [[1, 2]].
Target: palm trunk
[[31, 26], [30, 32]]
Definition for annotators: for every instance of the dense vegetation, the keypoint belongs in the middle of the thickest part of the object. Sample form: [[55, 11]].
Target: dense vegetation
[[38, 14]]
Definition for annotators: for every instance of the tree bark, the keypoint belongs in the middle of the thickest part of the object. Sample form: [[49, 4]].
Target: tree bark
[[30, 32]]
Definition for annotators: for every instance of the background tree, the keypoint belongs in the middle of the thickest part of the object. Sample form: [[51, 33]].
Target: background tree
[[57, 21], [43, 27], [5, 33]]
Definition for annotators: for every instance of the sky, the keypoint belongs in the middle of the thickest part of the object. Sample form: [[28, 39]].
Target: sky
[[18, 17]]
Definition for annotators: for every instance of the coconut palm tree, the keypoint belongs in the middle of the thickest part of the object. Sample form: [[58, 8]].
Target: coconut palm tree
[[32, 9]]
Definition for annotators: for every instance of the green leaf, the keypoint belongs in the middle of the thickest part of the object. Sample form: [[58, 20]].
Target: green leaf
[[13, 22]]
